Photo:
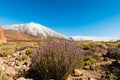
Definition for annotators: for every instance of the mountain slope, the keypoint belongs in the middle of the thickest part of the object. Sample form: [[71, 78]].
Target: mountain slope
[[12, 35], [34, 29]]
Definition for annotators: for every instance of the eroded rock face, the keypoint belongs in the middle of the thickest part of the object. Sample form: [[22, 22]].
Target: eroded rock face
[[2, 36]]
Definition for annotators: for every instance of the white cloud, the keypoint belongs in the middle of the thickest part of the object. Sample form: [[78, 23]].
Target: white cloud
[[95, 38]]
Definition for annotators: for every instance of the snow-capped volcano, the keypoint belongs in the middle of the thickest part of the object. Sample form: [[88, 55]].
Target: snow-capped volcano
[[35, 29]]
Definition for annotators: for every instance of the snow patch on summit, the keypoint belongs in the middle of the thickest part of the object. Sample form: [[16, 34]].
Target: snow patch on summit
[[35, 29]]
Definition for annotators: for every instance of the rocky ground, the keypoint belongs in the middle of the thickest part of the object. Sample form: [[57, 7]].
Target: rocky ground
[[15, 67], [18, 69], [93, 72]]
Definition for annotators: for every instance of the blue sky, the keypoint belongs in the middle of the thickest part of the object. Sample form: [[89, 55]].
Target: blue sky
[[69, 17]]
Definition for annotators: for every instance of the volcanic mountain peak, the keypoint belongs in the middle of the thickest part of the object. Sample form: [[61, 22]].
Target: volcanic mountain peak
[[35, 29]]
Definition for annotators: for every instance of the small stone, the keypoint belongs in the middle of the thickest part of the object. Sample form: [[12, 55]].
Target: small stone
[[86, 67], [12, 64], [23, 52], [15, 54], [92, 67], [77, 72], [105, 59], [17, 68], [18, 63]]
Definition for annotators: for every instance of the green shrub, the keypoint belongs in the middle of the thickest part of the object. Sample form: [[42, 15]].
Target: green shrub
[[55, 60], [89, 60], [29, 51], [112, 76], [88, 46], [21, 46], [1, 44], [80, 63], [24, 57], [4, 53], [3, 76], [112, 44]]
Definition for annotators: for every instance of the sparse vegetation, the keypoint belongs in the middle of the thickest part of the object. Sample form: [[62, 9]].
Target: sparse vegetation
[[85, 60], [6, 50], [29, 51], [56, 60], [20, 46], [89, 60], [3, 76], [112, 44], [4, 53], [24, 57]]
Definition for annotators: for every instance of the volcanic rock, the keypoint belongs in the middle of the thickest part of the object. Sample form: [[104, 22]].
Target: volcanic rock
[[2, 37]]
